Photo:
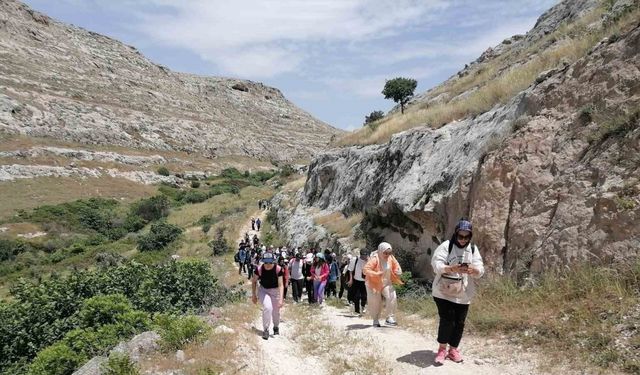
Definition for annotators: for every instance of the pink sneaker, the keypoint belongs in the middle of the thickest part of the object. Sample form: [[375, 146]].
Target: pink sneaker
[[440, 357], [454, 355]]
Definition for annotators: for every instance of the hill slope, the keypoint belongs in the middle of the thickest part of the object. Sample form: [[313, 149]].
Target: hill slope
[[67, 83]]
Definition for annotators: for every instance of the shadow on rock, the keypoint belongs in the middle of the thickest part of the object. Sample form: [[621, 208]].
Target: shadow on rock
[[420, 358]]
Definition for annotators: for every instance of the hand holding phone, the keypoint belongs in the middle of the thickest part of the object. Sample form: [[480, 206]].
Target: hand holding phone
[[464, 267]]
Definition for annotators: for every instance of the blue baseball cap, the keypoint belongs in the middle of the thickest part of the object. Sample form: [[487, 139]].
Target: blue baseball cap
[[464, 225], [268, 258]]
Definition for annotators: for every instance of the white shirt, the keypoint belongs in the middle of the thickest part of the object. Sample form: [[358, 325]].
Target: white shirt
[[357, 265]]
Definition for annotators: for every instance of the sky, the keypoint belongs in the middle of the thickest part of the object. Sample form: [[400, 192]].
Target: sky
[[329, 57]]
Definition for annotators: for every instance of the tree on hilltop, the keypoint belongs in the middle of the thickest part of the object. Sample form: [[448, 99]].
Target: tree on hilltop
[[400, 90]]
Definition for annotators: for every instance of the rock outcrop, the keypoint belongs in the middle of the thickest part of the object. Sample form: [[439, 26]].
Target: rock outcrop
[[63, 82], [549, 179]]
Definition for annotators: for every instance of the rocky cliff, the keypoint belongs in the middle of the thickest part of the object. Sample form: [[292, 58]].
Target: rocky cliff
[[549, 179], [63, 82]]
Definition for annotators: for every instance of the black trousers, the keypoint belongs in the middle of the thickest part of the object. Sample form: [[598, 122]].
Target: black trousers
[[296, 289], [249, 271], [309, 286], [331, 289], [359, 294], [452, 317], [343, 286]]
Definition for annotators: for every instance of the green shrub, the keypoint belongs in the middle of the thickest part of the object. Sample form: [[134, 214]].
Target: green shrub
[[9, 249], [194, 196], [206, 228], [58, 359], [101, 310], [151, 209], [195, 184], [42, 314], [160, 235], [119, 364], [219, 245], [177, 332], [163, 171], [287, 170], [373, 117], [223, 189], [231, 173]]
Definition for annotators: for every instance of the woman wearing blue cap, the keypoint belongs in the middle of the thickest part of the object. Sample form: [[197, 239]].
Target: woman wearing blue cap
[[270, 293], [455, 263]]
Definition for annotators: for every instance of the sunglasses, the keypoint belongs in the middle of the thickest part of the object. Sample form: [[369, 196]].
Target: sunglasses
[[464, 238]]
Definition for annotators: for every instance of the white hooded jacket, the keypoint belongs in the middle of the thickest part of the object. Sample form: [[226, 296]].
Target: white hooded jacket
[[441, 258]]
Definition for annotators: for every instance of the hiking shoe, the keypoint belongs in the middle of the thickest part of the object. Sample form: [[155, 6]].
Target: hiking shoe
[[391, 321], [441, 356], [276, 331], [265, 334], [454, 355], [376, 323]]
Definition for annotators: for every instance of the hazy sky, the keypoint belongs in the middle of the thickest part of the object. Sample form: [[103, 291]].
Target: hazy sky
[[330, 57]]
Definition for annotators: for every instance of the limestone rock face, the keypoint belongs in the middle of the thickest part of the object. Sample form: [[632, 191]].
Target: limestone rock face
[[64, 82], [549, 179]]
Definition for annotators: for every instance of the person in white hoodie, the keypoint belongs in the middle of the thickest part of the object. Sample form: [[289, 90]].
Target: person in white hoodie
[[456, 264]]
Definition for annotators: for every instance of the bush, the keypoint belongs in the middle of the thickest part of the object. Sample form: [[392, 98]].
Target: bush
[[219, 245], [101, 310], [194, 196], [195, 184], [9, 249], [163, 171], [41, 315], [57, 359], [223, 189], [231, 173], [119, 364], [160, 235], [373, 117], [287, 171], [177, 332], [151, 209]]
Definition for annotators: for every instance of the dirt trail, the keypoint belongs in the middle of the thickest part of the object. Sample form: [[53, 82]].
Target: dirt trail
[[279, 354], [408, 352]]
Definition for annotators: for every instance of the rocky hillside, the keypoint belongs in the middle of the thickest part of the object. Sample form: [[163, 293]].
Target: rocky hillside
[[67, 83], [550, 178]]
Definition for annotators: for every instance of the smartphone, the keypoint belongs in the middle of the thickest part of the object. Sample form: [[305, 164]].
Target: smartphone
[[464, 266]]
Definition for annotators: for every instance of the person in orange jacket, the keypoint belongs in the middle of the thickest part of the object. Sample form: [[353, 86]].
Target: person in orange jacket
[[382, 272]]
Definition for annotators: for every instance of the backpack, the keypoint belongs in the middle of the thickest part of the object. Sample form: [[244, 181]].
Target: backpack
[[236, 258]]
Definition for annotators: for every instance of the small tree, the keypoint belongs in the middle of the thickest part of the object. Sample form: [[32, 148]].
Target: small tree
[[400, 90], [219, 245], [373, 117]]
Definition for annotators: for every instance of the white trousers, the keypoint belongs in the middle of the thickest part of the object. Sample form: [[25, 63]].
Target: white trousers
[[374, 300]]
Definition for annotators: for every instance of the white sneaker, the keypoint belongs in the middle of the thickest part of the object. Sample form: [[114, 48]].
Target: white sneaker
[[391, 321]]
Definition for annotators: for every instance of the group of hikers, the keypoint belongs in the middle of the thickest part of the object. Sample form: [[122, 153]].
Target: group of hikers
[[367, 278]]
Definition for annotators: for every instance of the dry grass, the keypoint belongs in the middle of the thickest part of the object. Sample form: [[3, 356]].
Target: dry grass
[[497, 81], [338, 224], [187, 215], [31, 193]]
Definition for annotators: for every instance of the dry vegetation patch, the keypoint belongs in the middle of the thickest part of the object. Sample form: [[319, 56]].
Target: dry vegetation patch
[[339, 224], [500, 79], [31, 193]]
